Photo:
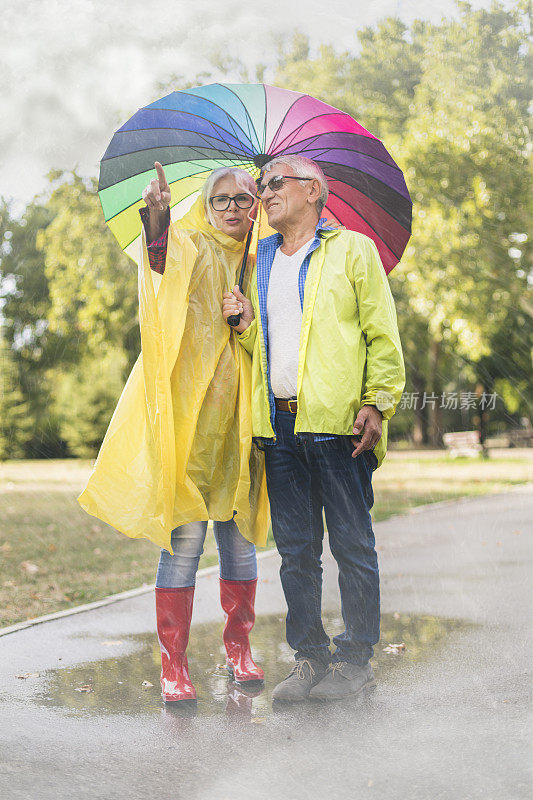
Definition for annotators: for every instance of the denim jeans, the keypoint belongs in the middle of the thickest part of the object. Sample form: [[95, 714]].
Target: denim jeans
[[235, 553], [304, 477]]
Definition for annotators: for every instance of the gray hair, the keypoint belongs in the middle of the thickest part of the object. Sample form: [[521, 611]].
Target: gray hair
[[304, 168], [243, 180]]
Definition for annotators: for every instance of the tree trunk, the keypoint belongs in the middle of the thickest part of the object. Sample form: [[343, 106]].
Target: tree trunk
[[434, 409], [483, 417], [420, 425]]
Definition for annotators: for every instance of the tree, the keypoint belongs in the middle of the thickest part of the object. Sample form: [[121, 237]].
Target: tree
[[69, 298], [465, 158], [93, 310], [15, 420], [85, 397], [24, 305], [92, 284]]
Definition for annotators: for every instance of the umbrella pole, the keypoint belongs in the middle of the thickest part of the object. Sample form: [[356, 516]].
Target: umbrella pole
[[235, 319]]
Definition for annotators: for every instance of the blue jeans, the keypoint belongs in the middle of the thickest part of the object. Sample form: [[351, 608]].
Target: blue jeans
[[304, 477], [235, 553]]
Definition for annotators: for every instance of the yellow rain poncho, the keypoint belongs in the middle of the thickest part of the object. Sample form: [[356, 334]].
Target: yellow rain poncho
[[179, 445]]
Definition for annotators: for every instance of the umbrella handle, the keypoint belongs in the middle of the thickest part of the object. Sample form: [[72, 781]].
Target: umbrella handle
[[235, 319]]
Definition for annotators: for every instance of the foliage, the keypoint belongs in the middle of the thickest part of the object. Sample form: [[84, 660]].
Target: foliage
[[85, 397], [25, 306], [69, 300], [465, 158], [15, 421], [92, 284]]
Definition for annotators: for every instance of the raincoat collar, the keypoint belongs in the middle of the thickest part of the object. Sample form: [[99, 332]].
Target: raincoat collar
[[321, 230]]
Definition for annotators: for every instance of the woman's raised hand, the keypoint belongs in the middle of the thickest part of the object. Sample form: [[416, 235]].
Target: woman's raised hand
[[157, 193]]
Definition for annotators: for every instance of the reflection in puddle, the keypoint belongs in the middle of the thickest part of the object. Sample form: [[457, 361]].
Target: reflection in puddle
[[115, 685]]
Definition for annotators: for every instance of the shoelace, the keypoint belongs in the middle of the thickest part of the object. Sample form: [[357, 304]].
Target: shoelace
[[338, 665], [298, 669]]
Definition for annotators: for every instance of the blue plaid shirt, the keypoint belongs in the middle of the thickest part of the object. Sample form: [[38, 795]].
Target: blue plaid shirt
[[266, 251]]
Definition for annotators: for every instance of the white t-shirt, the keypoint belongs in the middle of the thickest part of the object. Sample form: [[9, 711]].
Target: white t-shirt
[[284, 321]]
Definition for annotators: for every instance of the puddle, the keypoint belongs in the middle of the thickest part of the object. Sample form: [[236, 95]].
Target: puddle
[[116, 683]]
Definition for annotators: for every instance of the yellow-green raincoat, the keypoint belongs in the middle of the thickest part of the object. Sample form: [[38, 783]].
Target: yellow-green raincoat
[[179, 445], [350, 351]]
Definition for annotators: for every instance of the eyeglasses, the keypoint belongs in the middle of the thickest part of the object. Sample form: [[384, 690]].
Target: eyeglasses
[[221, 202], [277, 182]]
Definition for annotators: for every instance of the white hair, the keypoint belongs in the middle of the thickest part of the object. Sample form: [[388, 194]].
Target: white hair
[[304, 168], [243, 180]]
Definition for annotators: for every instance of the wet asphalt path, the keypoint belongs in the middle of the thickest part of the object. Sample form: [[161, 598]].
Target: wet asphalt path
[[448, 718]]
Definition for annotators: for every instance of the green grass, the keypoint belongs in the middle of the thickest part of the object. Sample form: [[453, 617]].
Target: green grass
[[407, 479], [54, 555]]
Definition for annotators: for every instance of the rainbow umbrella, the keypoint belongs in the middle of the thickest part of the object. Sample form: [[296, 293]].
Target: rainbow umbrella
[[245, 125]]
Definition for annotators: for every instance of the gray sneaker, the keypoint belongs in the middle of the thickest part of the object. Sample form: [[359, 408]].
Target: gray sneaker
[[343, 680], [305, 674]]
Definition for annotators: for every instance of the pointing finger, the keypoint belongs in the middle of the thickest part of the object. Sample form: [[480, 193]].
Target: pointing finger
[[160, 173]]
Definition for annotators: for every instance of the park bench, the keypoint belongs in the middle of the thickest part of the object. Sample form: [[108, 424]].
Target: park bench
[[462, 443], [518, 437]]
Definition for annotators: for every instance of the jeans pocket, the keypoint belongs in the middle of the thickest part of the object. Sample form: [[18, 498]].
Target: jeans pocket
[[372, 459]]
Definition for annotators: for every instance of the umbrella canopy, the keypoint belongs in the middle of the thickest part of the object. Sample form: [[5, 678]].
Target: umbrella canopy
[[245, 125]]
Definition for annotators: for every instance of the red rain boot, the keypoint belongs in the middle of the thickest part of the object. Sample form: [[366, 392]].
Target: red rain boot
[[173, 612], [237, 599]]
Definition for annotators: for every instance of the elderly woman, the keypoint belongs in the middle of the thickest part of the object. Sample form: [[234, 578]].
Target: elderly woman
[[179, 445]]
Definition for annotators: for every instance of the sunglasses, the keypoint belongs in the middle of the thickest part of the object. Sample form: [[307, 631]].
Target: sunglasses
[[221, 202], [277, 182]]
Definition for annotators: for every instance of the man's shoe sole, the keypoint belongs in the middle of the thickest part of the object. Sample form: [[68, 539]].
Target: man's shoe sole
[[288, 701], [369, 685]]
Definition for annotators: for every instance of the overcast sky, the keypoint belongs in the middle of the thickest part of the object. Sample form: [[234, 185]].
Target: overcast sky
[[74, 70]]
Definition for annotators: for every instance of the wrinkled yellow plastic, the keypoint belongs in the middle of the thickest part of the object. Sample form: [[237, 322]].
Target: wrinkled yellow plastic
[[179, 445]]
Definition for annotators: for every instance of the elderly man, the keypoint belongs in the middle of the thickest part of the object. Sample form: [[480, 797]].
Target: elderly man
[[327, 375]]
